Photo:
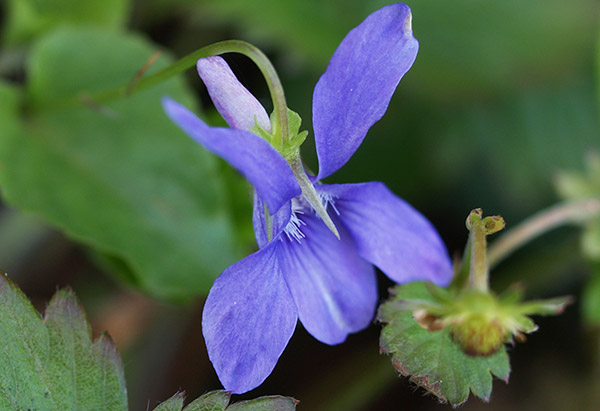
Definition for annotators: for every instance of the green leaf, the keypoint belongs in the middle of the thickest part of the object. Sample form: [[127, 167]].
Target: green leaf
[[52, 364], [590, 240], [175, 403], [28, 18], [577, 185], [432, 359], [590, 301], [9, 106], [598, 68], [212, 401], [120, 177], [271, 403], [219, 401]]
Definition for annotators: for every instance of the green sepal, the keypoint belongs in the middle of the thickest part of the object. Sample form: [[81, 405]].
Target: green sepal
[[524, 324], [294, 122], [552, 306], [512, 294], [289, 148], [294, 144], [261, 132], [296, 137]]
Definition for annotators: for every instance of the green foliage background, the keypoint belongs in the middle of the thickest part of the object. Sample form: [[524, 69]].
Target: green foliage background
[[502, 96]]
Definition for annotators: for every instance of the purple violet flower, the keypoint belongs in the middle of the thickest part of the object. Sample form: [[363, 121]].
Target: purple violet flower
[[302, 270]]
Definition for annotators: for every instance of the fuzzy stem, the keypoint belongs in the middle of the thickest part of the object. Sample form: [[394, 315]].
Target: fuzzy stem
[[569, 212], [309, 192], [479, 272]]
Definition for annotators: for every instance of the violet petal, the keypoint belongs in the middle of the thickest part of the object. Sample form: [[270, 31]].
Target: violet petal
[[357, 86], [248, 319], [334, 289], [390, 233], [234, 102], [252, 156]]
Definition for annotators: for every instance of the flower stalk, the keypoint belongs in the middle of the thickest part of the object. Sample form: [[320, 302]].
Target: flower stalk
[[310, 194], [570, 212]]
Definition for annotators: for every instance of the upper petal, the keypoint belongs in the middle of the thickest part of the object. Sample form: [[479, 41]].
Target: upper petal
[[357, 86], [252, 156], [390, 233], [248, 319], [234, 102], [335, 290]]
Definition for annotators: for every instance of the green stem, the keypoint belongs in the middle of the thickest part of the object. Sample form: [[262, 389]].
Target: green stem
[[268, 223], [569, 212], [229, 46]]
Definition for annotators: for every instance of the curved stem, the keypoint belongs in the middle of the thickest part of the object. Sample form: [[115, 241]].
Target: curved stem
[[270, 75], [222, 47], [561, 214], [228, 46]]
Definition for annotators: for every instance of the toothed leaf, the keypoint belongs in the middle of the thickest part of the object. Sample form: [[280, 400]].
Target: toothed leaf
[[119, 177], [51, 363], [219, 401], [431, 359]]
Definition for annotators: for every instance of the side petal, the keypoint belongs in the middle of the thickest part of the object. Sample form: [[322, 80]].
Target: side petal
[[278, 222], [334, 289], [234, 102], [357, 86], [252, 156], [248, 319], [390, 233]]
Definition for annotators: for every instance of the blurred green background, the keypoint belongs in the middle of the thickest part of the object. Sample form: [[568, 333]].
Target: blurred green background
[[114, 200]]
